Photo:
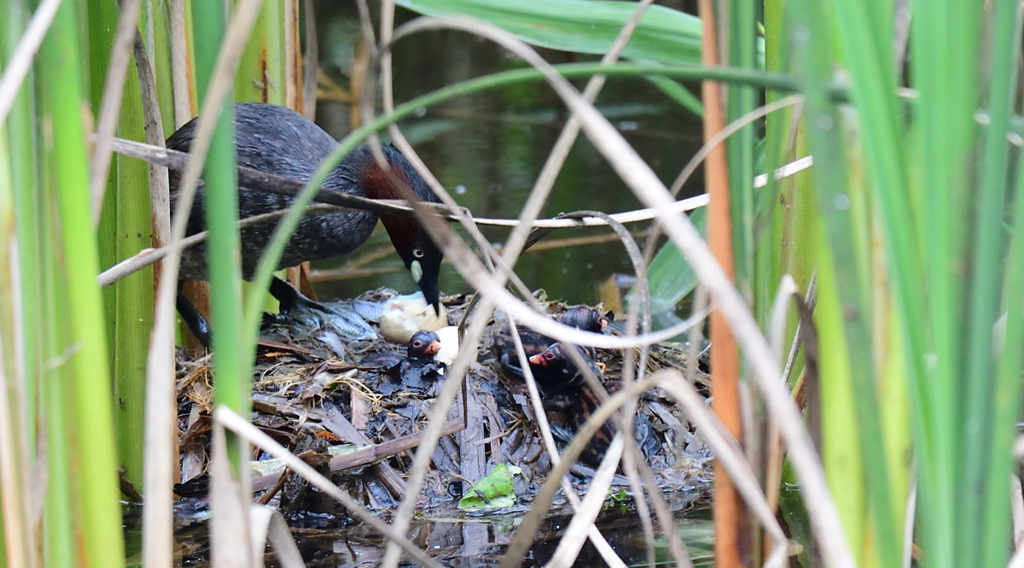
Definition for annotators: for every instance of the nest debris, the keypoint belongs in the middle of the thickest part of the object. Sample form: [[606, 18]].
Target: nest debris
[[360, 425]]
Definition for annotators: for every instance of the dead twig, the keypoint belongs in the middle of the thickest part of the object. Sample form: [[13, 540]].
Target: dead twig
[[232, 421]]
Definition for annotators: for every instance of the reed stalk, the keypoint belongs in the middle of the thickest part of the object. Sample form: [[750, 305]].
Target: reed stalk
[[92, 451], [221, 203], [126, 228]]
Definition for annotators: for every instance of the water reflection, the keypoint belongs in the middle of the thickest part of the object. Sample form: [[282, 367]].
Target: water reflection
[[456, 539], [492, 145]]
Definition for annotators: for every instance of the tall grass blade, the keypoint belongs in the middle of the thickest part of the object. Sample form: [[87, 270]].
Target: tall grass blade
[[944, 140], [743, 54], [16, 546], [678, 93], [87, 356], [22, 156], [100, 41], [1007, 387], [18, 185], [985, 440], [785, 233], [260, 74], [671, 277], [128, 220], [221, 203], [161, 59], [848, 333]]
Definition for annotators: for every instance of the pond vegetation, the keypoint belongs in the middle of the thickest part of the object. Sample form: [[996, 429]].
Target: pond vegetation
[[856, 323]]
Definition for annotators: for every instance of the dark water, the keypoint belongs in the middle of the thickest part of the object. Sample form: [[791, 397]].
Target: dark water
[[479, 541], [457, 539], [487, 149]]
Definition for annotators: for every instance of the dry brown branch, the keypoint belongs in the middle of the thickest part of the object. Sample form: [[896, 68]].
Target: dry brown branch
[[733, 537], [181, 84], [366, 455], [230, 536], [161, 453]]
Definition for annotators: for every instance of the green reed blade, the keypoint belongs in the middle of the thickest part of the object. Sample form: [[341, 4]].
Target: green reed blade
[[221, 200], [161, 42], [743, 54], [837, 202], [678, 93], [991, 515], [947, 82], [583, 26], [873, 84], [100, 40], [22, 150], [58, 527], [19, 183], [126, 229], [785, 211], [13, 403], [95, 472], [1006, 388]]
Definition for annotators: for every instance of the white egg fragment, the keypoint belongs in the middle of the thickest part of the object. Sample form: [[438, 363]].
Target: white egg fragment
[[449, 338], [405, 316]]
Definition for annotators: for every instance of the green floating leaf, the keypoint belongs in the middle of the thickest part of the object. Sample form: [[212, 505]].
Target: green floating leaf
[[584, 26], [671, 277], [495, 491]]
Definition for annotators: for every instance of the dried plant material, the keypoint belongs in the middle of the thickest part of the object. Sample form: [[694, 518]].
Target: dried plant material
[[360, 409], [268, 526], [360, 423]]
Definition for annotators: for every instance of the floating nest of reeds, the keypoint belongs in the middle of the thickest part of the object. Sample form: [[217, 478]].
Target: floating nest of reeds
[[360, 424]]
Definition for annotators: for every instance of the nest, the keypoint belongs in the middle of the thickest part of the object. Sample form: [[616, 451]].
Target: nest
[[361, 425]]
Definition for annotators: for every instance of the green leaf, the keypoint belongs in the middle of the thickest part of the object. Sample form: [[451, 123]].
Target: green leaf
[[671, 277], [495, 491], [617, 498], [584, 26]]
